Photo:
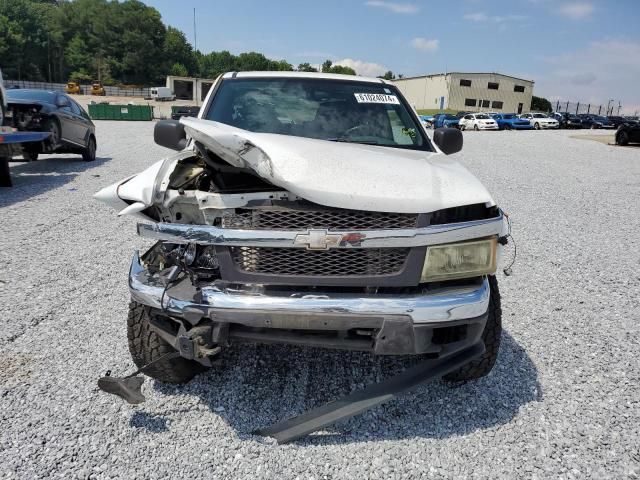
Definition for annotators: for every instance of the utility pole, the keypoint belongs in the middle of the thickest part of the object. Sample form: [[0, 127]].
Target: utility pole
[[195, 48], [195, 37]]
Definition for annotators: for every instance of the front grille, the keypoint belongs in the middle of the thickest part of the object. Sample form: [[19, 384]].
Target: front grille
[[326, 263], [288, 219]]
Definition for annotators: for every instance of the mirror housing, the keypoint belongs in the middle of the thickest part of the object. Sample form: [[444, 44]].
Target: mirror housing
[[170, 134], [449, 140]]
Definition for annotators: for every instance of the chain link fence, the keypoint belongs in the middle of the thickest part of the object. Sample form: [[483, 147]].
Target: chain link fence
[[86, 89], [577, 107]]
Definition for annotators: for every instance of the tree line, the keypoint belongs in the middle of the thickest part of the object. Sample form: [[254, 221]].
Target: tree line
[[115, 42]]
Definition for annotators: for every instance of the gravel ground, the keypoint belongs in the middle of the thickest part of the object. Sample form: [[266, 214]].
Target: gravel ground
[[562, 402]]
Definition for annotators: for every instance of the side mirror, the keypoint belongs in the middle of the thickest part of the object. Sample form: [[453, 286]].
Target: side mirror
[[170, 134], [449, 140]]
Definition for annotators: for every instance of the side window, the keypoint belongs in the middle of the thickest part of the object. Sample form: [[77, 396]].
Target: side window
[[397, 129], [75, 108], [63, 103], [468, 117]]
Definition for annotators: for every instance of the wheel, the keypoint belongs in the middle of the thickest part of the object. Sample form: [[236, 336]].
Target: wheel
[[491, 336], [622, 138], [536, 126], [30, 155], [593, 126], [89, 153], [475, 127], [53, 127], [507, 126], [463, 128], [145, 346]]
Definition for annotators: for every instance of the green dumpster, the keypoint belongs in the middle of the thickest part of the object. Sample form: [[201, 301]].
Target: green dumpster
[[99, 111]]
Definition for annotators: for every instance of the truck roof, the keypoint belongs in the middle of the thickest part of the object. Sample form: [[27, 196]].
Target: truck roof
[[319, 75]]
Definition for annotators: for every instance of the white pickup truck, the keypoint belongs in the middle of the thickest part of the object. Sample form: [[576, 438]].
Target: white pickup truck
[[310, 209]]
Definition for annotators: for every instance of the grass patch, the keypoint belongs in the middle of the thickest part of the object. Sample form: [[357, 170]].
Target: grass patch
[[433, 111]]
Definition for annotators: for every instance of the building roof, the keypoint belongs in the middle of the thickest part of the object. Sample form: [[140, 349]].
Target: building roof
[[462, 73]]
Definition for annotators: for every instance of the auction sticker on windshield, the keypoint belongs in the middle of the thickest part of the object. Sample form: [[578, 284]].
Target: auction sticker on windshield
[[376, 98]]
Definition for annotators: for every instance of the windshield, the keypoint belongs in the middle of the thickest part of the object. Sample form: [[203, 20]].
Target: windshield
[[539, 115], [450, 117], [35, 95], [482, 117], [336, 110], [509, 115]]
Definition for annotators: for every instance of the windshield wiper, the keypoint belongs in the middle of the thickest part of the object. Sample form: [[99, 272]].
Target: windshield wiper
[[346, 140]]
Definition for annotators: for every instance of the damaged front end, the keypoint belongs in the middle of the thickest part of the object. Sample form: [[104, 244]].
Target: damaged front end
[[244, 255]]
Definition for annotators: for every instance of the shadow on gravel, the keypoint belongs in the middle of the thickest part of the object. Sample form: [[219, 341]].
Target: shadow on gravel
[[31, 179], [149, 421], [259, 385]]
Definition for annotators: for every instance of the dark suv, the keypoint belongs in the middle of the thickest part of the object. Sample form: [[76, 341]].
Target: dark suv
[[567, 120]]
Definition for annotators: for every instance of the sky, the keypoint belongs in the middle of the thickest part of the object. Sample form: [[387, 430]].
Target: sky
[[574, 50]]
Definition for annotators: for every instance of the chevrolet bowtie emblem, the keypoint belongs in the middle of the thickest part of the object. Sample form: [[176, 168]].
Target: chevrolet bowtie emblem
[[318, 239]]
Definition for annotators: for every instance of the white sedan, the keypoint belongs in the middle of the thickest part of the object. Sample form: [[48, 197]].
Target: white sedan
[[540, 120], [478, 121]]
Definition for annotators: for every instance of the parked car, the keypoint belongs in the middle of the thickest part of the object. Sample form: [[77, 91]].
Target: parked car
[[73, 88], [72, 131], [540, 121], [97, 89], [511, 121], [477, 121], [184, 111], [595, 121], [427, 120], [255, 242], [445, 120], [616, 121], [567, 120], [3, 100], [628, 133]]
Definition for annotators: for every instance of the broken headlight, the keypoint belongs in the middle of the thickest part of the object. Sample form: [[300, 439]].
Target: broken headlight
[[460, 260]]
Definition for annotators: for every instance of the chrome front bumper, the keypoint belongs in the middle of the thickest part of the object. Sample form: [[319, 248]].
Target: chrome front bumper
[[444, 305]]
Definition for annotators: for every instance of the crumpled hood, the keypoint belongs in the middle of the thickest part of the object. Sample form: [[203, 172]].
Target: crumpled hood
[[345, 175]]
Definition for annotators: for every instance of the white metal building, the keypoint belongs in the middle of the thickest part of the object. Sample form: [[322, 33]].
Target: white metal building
[[478, 92], [184, 87]]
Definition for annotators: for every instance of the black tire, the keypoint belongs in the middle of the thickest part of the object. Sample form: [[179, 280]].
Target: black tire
[[53, 127], [536, 126], [146, 346], [30, 155], [507, 126], [622, 138], [89, 153], [476, 128], [463, 128], [491, 336]]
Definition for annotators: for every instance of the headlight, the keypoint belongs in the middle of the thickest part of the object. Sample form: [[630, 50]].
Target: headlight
[[460, 260]]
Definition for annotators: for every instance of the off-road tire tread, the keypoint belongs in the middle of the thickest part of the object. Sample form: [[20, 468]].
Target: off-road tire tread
[[491, 336], [145, 346]]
